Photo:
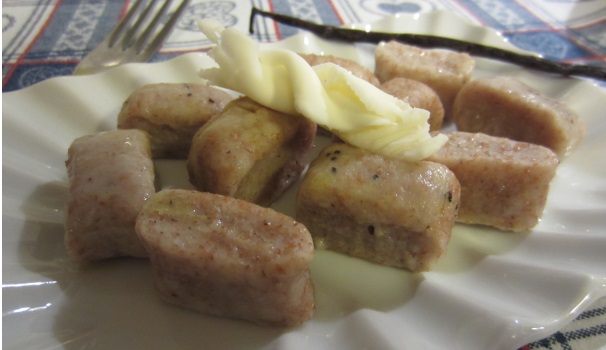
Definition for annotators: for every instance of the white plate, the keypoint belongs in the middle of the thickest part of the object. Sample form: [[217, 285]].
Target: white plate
[[493, 289]]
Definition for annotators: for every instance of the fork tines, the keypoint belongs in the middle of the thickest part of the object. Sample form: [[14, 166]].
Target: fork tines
[[136, 38]]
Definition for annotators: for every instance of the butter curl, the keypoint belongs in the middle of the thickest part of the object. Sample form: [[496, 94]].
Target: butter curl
[[329, 95]]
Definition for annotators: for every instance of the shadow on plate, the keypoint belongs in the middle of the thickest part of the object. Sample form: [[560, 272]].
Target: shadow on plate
[[344, 285], [469, 244]]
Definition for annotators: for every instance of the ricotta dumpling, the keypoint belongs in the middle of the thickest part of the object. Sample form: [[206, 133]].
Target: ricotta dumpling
[[250, 152], [504, 183], [171, 113], [354, 67], [227, 257], [111, 176], [384, 210], [504, 106], [419, 95], [445, 71]]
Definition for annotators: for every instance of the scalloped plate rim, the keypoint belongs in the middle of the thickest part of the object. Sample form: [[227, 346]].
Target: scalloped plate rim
[[597, 286]]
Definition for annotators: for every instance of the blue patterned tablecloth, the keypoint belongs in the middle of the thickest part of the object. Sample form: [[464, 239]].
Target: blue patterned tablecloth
[[47, 38]]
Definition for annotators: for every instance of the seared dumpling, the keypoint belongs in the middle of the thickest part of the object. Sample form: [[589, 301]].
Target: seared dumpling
[[383, 210], [171, 114], [506, 107], [419, 95], [504, 183], [352, 66], [444, 71], [250, 152], [111, 176], [227, 257]]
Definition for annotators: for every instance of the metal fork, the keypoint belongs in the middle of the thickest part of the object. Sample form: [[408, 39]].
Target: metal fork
[[133, 39]]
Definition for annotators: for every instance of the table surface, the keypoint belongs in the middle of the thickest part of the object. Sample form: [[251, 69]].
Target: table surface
[[47, 38]]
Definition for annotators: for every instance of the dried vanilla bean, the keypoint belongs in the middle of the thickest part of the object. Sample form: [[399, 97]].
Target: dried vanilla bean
[[431, 41]]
